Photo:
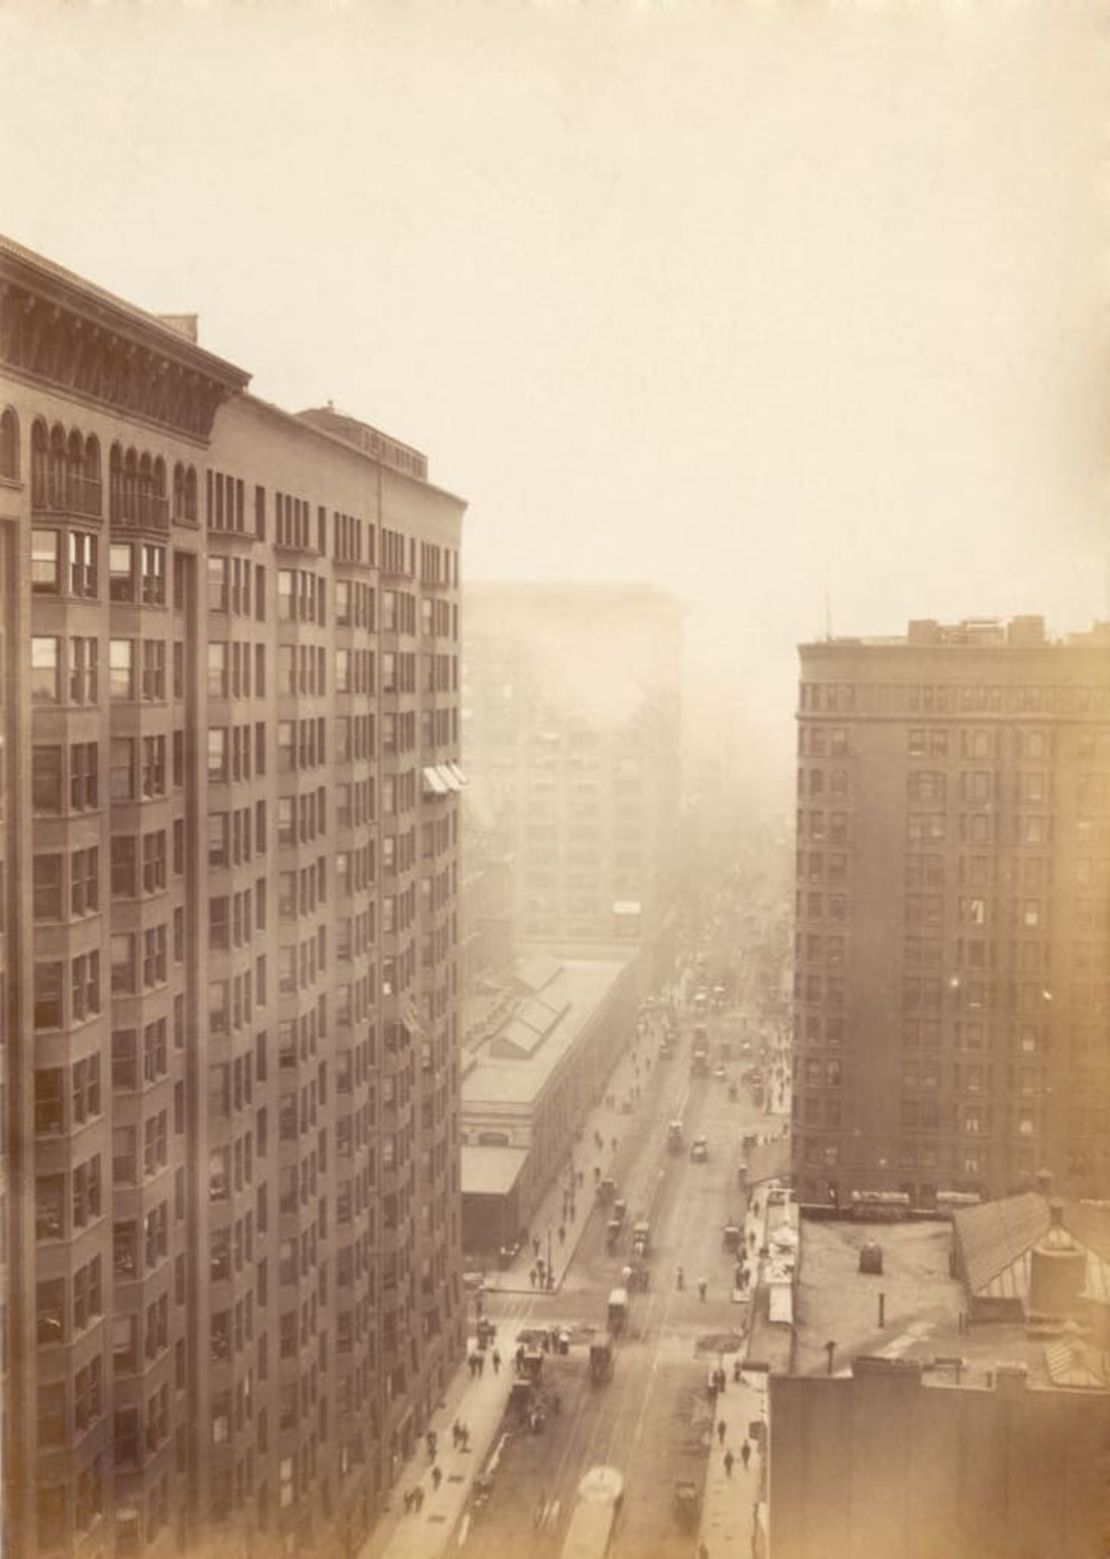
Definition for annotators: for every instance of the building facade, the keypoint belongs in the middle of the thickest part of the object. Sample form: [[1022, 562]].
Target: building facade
[[572, 722], [953, 912], [230, 848]]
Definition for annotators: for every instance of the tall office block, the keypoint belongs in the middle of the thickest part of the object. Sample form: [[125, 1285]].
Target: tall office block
[[572, 711], [229, 838], [952, 958]]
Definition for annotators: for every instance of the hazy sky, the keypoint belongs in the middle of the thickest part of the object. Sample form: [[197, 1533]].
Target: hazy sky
[[753, 302]]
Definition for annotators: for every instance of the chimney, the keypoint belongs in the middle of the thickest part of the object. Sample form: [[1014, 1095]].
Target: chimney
[[1010, 1379]]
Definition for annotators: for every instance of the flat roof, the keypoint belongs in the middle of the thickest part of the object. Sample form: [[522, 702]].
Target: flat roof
[[837, 1303], [574, 993], [491, 1170]]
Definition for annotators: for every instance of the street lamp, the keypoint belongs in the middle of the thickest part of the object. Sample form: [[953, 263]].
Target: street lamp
[[549, 1249]]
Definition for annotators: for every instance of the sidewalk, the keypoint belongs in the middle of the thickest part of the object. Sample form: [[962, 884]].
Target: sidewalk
[[609, 1124], [729, 1503], [479, 1403]]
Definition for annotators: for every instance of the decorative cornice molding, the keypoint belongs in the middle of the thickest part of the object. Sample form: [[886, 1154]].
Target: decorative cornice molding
[[87, 344]]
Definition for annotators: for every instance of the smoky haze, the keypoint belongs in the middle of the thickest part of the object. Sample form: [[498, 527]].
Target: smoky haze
[[792, 312]]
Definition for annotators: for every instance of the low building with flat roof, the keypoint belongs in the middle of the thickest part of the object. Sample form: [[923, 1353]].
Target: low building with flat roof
[[537, 1052], [902, 1427]]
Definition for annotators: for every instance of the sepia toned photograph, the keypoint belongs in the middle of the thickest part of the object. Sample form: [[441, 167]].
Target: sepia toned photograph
[[554, 779]]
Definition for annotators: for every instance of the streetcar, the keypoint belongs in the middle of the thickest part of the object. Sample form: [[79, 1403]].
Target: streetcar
[[590, 1533]]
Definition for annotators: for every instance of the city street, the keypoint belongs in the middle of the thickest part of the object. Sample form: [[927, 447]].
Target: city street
[[654, 1419]]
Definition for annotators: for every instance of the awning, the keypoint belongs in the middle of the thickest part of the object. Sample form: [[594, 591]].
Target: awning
[[449, 780], [433, 784], [459, 774]]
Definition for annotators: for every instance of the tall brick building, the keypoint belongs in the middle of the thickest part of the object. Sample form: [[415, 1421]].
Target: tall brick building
[[229, 839], [952, 957]]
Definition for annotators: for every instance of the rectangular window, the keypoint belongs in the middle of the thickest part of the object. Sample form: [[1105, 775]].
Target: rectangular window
[[47, 887], [84, 776], [125, 1070], [121, 571], [46, 561], [84, 890], [153, 575], [46, 779], [44, 670], [217, 753], [48, 994], [121, 668], [83, 670], [154, 670]]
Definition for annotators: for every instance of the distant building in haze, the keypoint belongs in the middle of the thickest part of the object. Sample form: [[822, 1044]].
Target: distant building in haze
[[571, 721], [952, 949]]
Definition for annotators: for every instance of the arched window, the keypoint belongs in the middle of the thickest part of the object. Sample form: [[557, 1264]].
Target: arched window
[[56, 469], [9, 444], [130, 485], [40, 443], [115, 483], [92, 476], [178, 491], [75, 469]]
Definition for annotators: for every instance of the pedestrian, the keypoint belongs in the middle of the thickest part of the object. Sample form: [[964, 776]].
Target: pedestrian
[[532, 1277], [736, 1369], [721, 1428], [745, 1454], [437, 1479], [550, 1280], [465, 1437], [481, 1364], [418, 1498], [455, 1434], [703, 1551], [520, 1359], [729, 1460], [408, 1502], [562, 1234], [496, 1362], [535, 1244]]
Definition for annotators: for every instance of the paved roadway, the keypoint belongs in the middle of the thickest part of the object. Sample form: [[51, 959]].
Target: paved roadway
[[653, 1420]]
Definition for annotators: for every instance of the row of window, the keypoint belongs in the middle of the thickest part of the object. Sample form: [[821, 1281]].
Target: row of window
[[230, 666], [234, 837], [81, 684], [940, 698], [983, 828], [50, 901], [979, 787]]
